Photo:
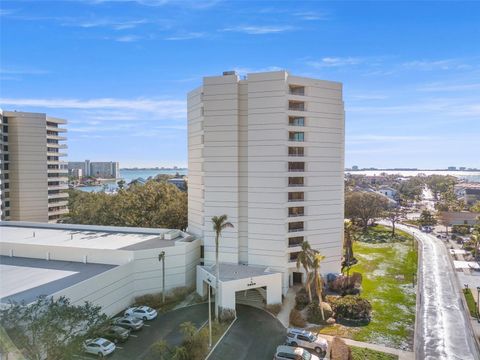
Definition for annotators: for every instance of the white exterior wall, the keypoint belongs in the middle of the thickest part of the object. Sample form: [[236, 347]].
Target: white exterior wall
[[238, 161], [138, 272]]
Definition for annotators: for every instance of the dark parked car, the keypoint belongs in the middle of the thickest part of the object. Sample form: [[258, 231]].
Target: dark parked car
[[116, 334]]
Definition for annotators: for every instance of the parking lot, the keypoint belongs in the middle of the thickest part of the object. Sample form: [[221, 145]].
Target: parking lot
[[165, 326]]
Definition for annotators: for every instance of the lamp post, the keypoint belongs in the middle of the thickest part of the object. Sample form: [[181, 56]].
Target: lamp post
[[478, 303], [161, 257], [209, 319]]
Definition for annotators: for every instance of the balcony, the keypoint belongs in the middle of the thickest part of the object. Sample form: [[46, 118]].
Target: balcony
[[57, 212], [296, 166], [296, 90], [296, 121], [57, 204], [56, 137], [295, 241], [296, 211], [296, 105], [58, 187], [296, 136], [292, 257], [57, 171], [56, 129], [61, 195], [52, 153], [296, 226]]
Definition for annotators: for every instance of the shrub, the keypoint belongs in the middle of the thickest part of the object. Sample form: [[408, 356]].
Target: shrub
[[339, 350], [226, 315], [352, 307], [155, 300], [274, 308], [296, 318], [347, 286], [301, 300], [314, 313]]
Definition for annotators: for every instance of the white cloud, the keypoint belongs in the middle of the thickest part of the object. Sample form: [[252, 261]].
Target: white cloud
[[242, 71], [335, 62], [108, 23], [367, 138], [259, 29], [446, 87], [18, 70], [127, 38], [431, 65], [311, 15], [194, 4], [154, 109], [186, 36]]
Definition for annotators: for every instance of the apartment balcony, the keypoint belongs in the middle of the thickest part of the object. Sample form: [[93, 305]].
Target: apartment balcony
[[58, 178], [56, 137], [58, 187], [296, 90], [57, 145], [55, 120], [57, 204], [56, 129], [51, 153], [57, 212], [62, 195], [57, 171], [296, 105]]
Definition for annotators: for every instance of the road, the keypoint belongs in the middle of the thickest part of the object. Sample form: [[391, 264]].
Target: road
[[255, 335], [443, 331]]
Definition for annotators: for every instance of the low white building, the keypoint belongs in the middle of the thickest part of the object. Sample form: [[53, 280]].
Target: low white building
[[108, 266]]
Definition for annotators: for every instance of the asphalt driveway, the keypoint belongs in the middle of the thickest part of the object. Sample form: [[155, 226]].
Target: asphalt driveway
[[254, 336]]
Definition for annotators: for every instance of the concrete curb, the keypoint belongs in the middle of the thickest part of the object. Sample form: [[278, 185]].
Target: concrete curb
[[220, 339]]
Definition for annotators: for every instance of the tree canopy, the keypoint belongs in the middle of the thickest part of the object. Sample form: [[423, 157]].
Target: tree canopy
[[153, 204], [364, 207]]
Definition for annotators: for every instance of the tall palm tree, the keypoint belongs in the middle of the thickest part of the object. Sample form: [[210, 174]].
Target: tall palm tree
[[304, 259], [318, 281], [220, 223], [349, 236]]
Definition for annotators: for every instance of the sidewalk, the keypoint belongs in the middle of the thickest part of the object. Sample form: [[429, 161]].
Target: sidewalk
[[287, 306]]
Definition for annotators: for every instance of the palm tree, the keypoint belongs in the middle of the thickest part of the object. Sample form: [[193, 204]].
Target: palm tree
[[219, 224], [317, 259], [348, 238], [304, 259]]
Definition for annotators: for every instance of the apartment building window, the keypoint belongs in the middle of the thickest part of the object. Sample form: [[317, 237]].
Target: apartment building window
[[296, 196], [296, 211], [5, 166], [295, 226], [5, 147], [51, 124], [296, 181], [296, 151], [296, 105], [5, 138], [6, 186], [6, 176], [5, 120], [296, 166], [296, 136], [294, 256], [295, 241], [296, 89], [5, 157], [7, 204], [296, 121], [5, 128]]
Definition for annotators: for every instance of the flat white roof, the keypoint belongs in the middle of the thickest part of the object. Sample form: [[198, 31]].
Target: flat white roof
[[23, 279], [84, 236], [230, 272]]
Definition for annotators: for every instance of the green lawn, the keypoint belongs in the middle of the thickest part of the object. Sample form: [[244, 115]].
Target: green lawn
[[367, 354], [393, 300], [472, 305]]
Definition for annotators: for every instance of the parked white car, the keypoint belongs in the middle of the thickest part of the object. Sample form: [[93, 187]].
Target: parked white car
[[99, 346], [293, 353], [141, 312], [307, 339]]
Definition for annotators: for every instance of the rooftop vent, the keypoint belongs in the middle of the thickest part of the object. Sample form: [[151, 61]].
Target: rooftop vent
[[231, 72]]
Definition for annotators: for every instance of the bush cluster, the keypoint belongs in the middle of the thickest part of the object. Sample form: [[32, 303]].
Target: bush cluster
[[301, 299], [339, 350], [376, 237], [296, 319], [352, 307], [155, 300], [314, 313]]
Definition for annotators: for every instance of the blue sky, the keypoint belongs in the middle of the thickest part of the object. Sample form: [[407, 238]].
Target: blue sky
[[119, 70]]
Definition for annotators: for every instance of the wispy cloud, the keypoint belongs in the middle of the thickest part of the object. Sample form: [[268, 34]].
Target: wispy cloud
[[108, 23], [433, 65], [186, 36], [311, 15], [17, 70], [367, 138], [259, 29], [195, 4], [160, 108], [448, 87], [127, 38], [246, 70], [335, 62]]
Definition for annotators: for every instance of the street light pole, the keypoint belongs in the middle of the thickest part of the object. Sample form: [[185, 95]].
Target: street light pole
[[478, 303], [161, 257], [209, 320]]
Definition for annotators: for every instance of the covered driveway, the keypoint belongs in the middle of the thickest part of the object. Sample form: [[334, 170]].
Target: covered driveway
[[254, 336]]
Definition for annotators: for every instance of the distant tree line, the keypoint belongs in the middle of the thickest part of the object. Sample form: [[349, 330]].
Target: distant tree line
[[155, 204]]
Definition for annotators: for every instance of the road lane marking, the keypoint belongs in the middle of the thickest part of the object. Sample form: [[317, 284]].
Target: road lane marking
[[133, 335], [118, 347], [147, 325]]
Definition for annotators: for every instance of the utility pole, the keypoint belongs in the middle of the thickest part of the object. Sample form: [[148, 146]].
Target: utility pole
[[209, 320], [161, 257]]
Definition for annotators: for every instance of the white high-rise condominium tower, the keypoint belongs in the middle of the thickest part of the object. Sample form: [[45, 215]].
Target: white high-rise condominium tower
[[268, 151], [33, 178]]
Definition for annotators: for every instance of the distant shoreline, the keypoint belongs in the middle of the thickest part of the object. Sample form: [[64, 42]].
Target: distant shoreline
[[154, 169], [406, 169]]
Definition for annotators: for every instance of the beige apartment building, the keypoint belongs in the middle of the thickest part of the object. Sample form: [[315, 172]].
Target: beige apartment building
[[33, 177], [268, 151]]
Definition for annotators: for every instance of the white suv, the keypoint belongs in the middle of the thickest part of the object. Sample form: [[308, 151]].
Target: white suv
[[306, 339], [293, 353]]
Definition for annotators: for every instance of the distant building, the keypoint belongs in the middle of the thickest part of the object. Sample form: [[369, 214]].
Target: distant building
[[462, 168], [452, 168], [388, 192], [76, 173], [98, 169], [469, 193], [33, 180]]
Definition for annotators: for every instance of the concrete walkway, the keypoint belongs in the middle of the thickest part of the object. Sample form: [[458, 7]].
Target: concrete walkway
[[287, 306]]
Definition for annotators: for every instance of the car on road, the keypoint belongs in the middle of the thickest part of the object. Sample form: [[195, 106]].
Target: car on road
[[285, 352], [141, 312], [115, 333], [99, 346], [130, 323], [307, 339]]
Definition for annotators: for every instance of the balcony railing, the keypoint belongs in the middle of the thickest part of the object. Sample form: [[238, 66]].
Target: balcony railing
[[296, 106], [296, 90]]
